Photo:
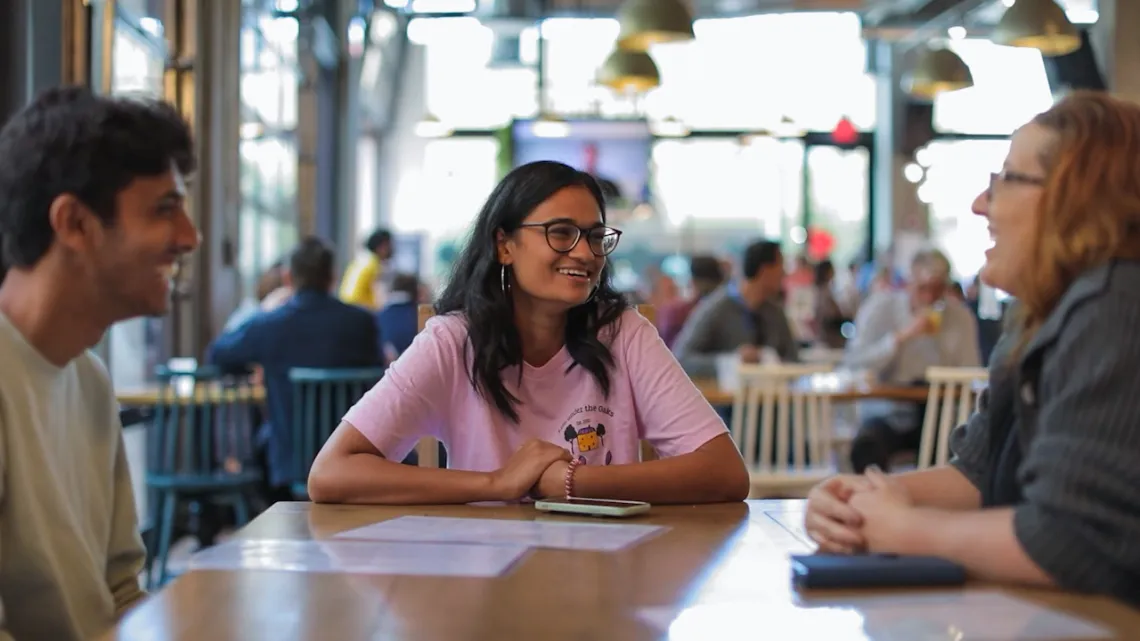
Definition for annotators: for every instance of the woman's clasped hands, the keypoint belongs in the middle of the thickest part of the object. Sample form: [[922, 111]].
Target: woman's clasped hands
[[535, 461], [851, 513]]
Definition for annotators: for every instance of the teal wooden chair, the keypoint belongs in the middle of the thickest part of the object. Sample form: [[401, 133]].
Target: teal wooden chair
[[321, 398], [200, 450]]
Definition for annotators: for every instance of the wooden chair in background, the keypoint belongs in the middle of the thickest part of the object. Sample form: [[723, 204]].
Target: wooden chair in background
[[953, 397], [428, 448]]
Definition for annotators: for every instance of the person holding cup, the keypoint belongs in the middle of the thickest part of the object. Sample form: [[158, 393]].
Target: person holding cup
[[898, 335]]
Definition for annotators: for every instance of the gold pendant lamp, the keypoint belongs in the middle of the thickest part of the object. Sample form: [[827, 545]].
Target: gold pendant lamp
[[1037, 24], [648, 22], [629, 72], [936, 71]]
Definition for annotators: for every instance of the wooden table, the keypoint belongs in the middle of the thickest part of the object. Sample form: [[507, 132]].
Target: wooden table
[[148, 396], [917, 394], [722, 570]]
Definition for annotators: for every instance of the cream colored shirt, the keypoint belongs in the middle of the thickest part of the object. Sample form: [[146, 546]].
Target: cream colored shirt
[[70, 551]]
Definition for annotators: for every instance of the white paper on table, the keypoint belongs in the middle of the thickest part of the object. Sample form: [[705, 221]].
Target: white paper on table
[[540, 534], [359, 557]]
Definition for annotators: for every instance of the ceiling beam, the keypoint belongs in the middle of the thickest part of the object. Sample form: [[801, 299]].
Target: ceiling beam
[[930, 20]]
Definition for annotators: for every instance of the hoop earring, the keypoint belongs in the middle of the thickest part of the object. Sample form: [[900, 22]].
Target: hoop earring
[[503, 280]]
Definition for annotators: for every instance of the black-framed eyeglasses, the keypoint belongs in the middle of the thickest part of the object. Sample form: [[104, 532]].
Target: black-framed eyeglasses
[[1007, 177], [563, 237]]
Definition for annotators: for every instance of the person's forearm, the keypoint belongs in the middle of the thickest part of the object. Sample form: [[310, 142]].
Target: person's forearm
[[371, 480], [982, 541], [941, 487], [696, 477]]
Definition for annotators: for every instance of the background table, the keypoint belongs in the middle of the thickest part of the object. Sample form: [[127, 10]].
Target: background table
[[723, 568]]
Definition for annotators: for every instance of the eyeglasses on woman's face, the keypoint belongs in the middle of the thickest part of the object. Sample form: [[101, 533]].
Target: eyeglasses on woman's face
[[563, 236], [1007, 177]]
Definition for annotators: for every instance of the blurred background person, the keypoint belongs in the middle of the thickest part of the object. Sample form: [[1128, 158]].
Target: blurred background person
[[898, 335], [744, 316], [399, 319], [706, 274], [312, 329], [362, 284], [829, 316]]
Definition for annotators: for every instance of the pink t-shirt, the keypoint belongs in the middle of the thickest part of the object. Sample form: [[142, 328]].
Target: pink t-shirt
[[427, 392]]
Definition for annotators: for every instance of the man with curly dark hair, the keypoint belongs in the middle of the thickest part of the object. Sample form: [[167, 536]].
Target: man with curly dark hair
[[92, 228]]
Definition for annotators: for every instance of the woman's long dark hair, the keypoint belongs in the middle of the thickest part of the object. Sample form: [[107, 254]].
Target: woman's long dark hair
[[475, 288]]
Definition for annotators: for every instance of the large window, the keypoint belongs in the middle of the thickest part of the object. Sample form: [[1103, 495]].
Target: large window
[[441, 198], [739, 74], [461, 89], [839, 202], [743, 73], [757, 181], [270, 77], [138, 52], [1010, 87], [957, 172]]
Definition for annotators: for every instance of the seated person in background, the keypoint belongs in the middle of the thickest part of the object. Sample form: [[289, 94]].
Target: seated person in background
[[828, 315], [1044, 486], [706, 276], [270, 281], [898, 334], [536, 375], [362, 283], [399, 320], [93, 224], [743, 316], [312, 329]]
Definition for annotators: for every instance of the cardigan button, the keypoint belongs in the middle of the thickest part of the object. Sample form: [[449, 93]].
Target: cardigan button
[[1028, 396]]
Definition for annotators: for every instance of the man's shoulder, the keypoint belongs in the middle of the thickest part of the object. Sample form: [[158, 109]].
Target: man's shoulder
[[717, 300], [93, 374]]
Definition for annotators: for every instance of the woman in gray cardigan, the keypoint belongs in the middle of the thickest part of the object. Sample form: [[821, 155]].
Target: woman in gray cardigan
[[1044, 488]]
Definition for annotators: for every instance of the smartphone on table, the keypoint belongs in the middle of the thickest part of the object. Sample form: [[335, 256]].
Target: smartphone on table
[[592, 507]]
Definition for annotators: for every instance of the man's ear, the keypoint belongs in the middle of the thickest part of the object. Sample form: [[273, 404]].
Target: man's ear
[[73, 222], [502, 247]]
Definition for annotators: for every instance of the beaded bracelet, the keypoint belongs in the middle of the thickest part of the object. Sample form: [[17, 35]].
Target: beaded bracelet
[[569, 481]]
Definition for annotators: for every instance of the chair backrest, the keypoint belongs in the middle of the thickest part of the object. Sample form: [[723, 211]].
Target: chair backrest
[[772, 404], [952, 398], [321, 398], [427, 449], [203, 423]]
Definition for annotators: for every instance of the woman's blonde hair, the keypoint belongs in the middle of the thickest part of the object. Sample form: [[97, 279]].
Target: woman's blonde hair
[[1089, 211]]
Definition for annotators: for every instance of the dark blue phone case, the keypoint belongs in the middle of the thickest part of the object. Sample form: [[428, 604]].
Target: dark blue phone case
[[873, 570]]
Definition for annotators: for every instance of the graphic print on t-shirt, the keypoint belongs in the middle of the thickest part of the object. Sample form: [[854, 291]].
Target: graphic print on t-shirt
[[585, 433]]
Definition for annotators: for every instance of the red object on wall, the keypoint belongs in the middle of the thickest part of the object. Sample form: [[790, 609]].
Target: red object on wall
[[820, 244], [844, 132]]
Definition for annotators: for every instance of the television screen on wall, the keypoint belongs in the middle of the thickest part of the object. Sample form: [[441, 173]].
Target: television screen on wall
[[616, 152]]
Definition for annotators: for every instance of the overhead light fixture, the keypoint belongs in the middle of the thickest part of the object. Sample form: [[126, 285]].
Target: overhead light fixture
[[251, 130], [936, 71], [629, 72], [670, 127], [548, 126], [432, 127], [1037, 24], [648, 22]]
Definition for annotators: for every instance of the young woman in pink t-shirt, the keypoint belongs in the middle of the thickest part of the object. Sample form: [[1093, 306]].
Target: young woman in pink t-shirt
[[536, 375]]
